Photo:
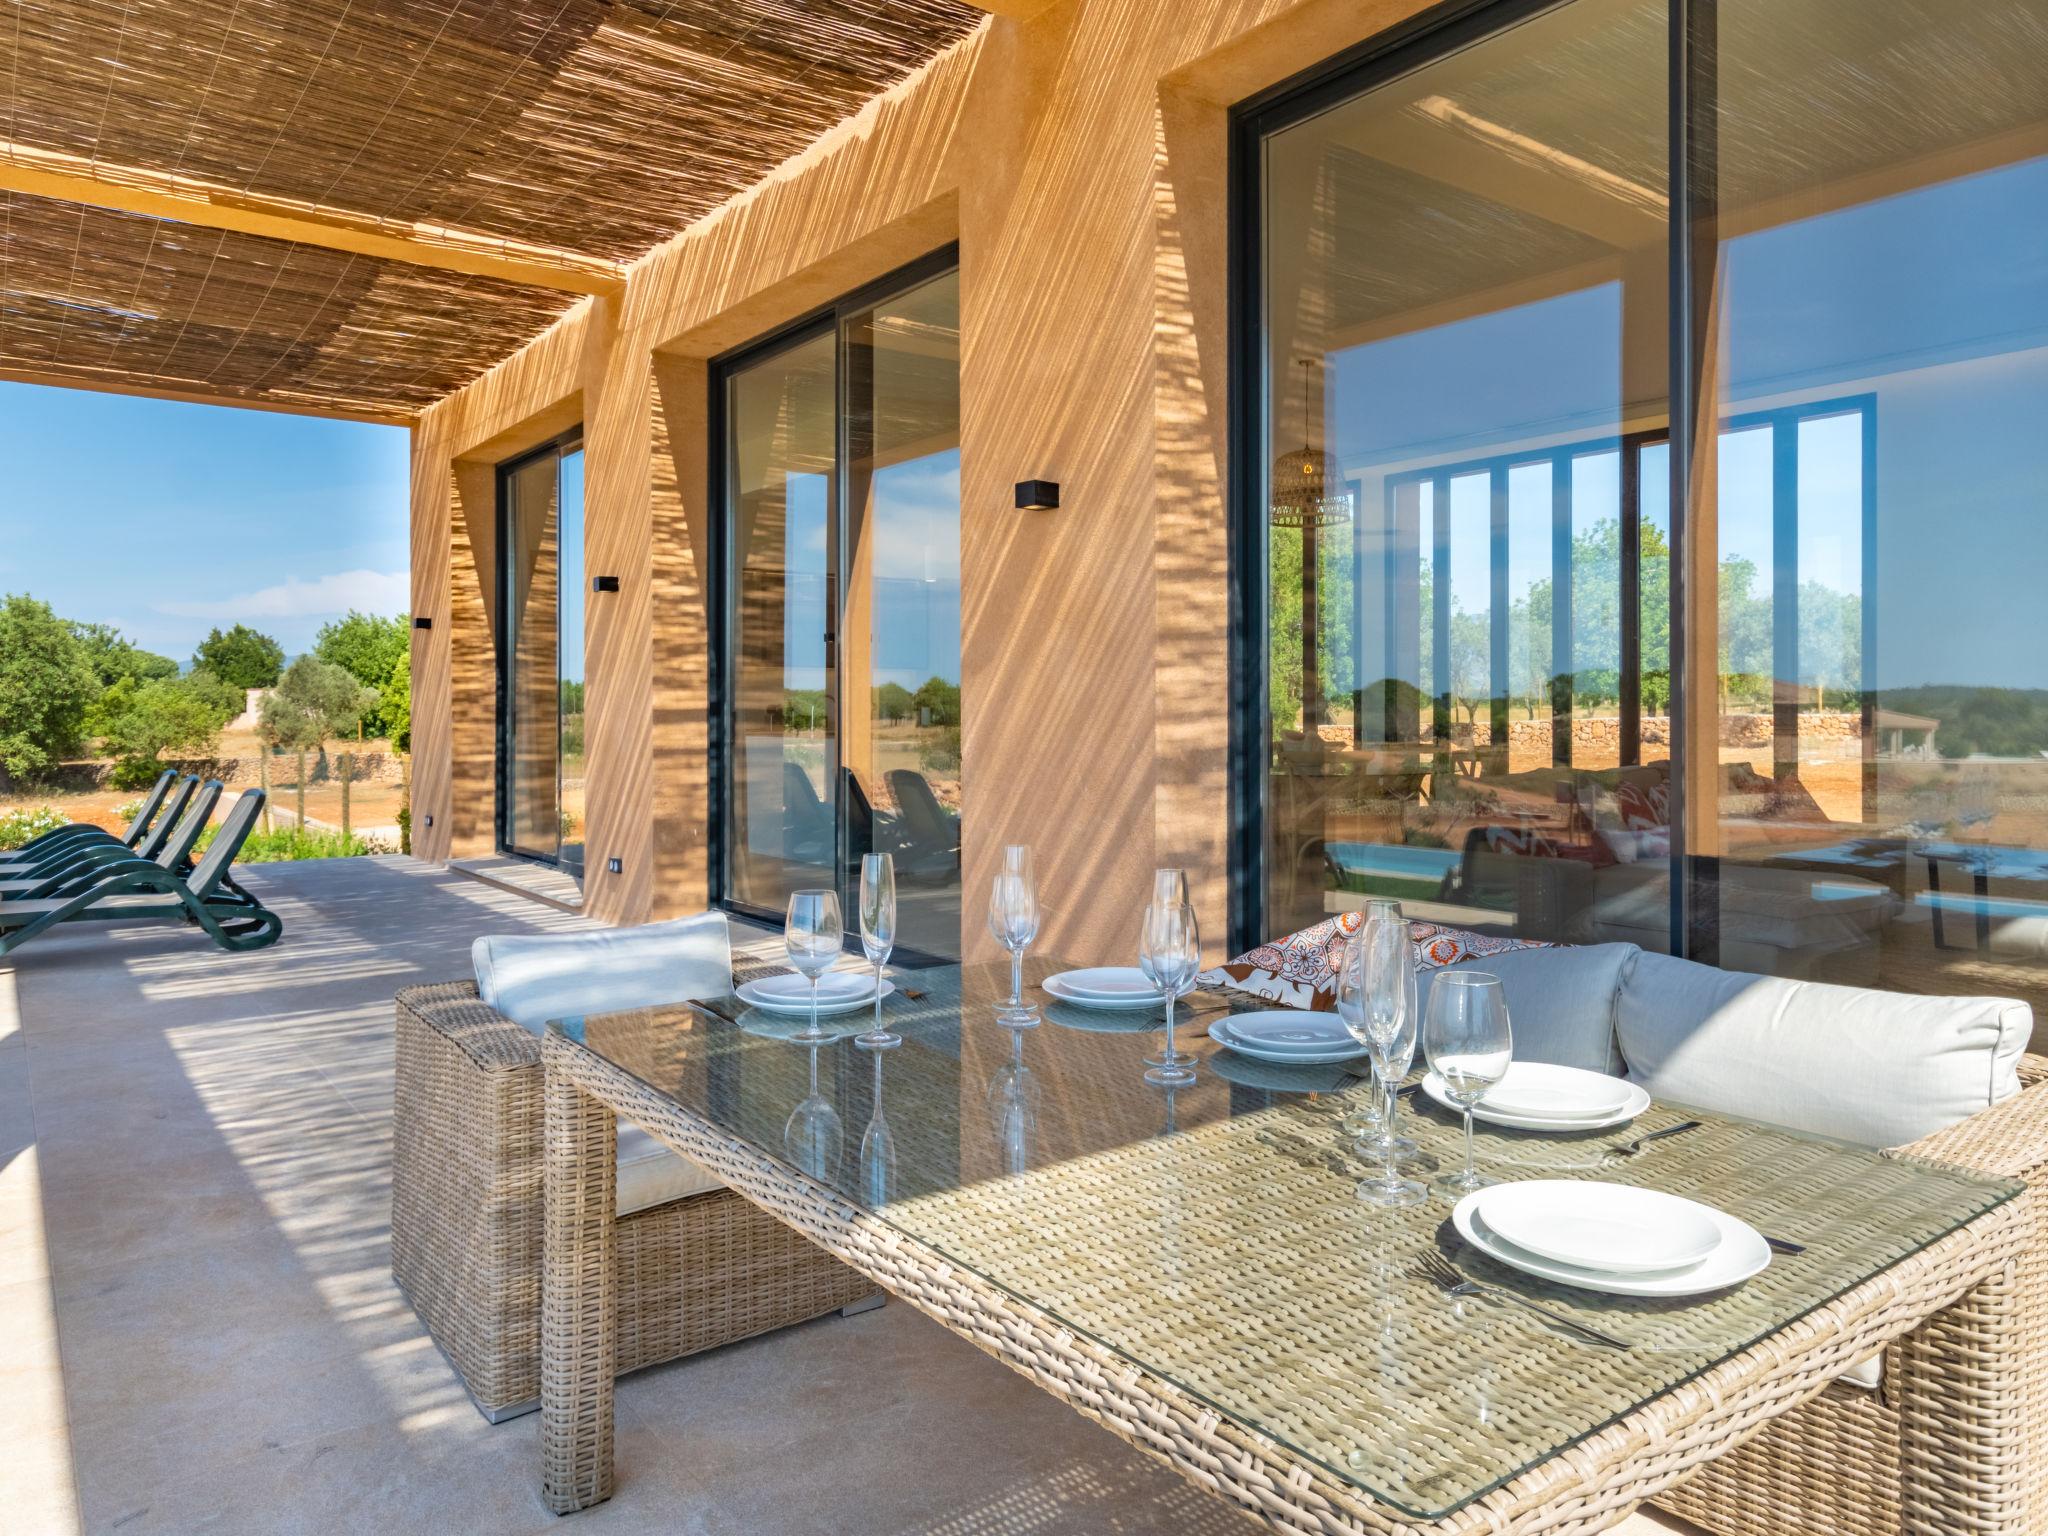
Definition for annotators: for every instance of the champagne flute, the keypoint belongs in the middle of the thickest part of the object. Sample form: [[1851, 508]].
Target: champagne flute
[[813, 932], [878, 1153], [1170, 954], [1386, 962], [878, 935], [1013, 920], [1366, 1115], [1469, 1044]]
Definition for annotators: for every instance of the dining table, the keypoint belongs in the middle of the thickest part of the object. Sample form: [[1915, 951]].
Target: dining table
[[1191, 1267]]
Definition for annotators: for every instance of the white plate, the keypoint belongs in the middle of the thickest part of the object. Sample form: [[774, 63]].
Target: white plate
[[1112, 983], [1056, 989], [750, 994], [1741, 1254], [1639, 1100], [1615, 1229], [1221, 1032], [1537, 1090], [836, 986], [1292, 1031]]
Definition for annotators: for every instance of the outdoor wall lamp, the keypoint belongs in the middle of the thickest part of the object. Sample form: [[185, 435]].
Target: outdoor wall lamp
[[1038, 495], [421, 621], [604, 583]]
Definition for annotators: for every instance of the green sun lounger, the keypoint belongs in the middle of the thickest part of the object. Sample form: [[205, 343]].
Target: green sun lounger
[[54, 843], [67, 876], [137, 890]]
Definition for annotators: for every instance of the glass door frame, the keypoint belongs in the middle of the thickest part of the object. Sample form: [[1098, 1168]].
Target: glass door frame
[[555, 448], [720, 588]]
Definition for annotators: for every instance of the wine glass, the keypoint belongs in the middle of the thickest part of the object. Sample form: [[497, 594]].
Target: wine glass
[[1170, 954], [1385, 964], [878, 935], [1013, 920], [1170, 885], [815, 1138], [878, 1152], [813, 932], [1469, 1045]]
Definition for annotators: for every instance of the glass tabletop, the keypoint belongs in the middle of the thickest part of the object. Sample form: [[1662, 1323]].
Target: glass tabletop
[[1210, 1234]]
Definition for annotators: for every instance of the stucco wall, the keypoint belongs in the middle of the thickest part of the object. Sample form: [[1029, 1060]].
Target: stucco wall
[[1079, 158]]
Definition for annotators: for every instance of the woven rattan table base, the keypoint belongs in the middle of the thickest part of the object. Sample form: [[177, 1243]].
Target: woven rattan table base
[[1958, 1364]]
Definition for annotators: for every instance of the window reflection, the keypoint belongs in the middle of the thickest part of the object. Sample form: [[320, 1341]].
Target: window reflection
[[1469, 263]]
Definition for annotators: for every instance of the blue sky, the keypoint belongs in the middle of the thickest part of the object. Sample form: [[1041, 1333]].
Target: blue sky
[[165, 519]]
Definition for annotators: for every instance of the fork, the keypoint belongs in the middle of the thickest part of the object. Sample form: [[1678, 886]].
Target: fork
[[1628, 1149], [1446, 1277]]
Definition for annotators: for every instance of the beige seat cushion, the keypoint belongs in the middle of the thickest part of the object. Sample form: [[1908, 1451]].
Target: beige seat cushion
[[650, 1174]]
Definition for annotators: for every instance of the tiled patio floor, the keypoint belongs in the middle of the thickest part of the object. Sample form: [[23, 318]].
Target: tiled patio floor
[[199, 1331]]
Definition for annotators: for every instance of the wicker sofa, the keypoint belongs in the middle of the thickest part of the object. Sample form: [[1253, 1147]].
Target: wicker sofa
[[693, 1273]]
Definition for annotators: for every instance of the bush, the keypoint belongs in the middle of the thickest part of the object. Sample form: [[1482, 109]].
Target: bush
[[283, 844], [141, 722], [46, 685], [22, 826]]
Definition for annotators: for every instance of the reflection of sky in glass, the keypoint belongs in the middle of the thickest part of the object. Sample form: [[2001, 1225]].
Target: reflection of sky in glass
[[572, 580], [803, 613], [917, 570]]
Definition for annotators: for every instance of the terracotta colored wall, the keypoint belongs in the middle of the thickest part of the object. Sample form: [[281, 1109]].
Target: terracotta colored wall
[[1079, 158]]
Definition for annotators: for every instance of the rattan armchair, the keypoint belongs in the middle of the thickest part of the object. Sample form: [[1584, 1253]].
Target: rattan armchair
[[466, 1214], [1831, 1466]]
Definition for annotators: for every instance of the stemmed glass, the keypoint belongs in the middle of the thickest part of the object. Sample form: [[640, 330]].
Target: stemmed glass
[[1378, 968], [1469, 1044], [1013, 1108], [1170, 954], [814, 1137], [878, 1152], [1013, 920], [1366, 1116], [878, 935], [813, 932]]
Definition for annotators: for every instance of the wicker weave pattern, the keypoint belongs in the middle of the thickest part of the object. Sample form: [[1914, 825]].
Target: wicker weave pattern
[[467, 1214], [1583, 1488]]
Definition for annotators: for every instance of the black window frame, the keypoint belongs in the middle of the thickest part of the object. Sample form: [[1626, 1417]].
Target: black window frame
[[556, 447], [826, 319]]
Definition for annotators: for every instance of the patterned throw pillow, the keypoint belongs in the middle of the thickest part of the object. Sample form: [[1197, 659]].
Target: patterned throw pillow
[[1531, 844], [1644, 807], [1300, 970]]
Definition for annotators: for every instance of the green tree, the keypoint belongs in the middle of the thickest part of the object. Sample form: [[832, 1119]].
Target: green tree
[[367, 647], [312, 701], [395, 701], [941, 698], [113, 656], [141, 721], [219, 695], [241, 656], [46, 685], [893, 701]]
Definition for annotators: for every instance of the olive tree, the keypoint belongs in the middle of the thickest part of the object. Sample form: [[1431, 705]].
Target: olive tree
[[313, 701]]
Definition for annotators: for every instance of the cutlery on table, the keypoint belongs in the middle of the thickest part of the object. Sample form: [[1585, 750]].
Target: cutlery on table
[[1446, 1277], [713, 1009], [1628, 1149], [1782, 1245]]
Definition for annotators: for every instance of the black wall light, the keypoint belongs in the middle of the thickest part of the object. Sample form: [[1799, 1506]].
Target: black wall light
[[421, 621], [604, 583], [1038, 495]]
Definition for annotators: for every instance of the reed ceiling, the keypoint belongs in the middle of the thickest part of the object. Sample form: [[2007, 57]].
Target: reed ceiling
[[410, 188]]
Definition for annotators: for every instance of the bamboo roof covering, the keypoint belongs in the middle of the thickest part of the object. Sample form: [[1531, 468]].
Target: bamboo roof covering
[[359, 205]]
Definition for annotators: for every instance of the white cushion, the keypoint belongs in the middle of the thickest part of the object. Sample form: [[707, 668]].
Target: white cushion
[[1878, 1068], [551, 976], [531, 979], [1560, 1001]]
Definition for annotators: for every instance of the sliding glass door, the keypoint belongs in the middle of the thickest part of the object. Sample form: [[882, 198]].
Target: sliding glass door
[[1561, 631], [840, 635], [540, 656]]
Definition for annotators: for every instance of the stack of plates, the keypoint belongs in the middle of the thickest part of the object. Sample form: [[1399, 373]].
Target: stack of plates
[[1105, 986], [1287, 1035], [838, 992], [1535, 1096], [1615, 1238]]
